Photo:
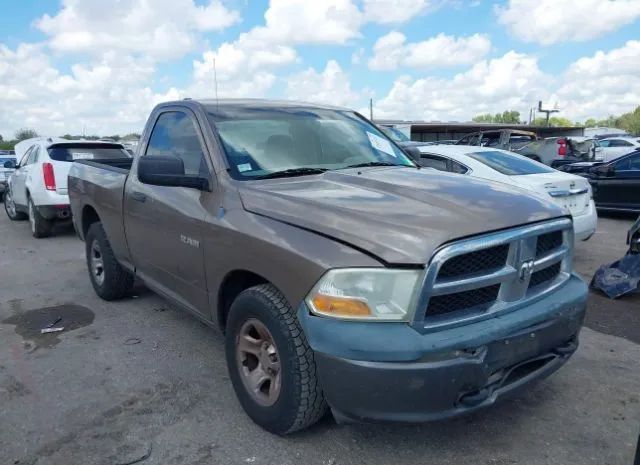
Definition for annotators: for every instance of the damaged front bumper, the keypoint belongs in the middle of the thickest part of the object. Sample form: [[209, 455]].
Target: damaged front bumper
[[391, 372]]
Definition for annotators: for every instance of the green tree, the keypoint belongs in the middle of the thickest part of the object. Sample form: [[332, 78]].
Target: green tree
[[486, 118], [630, 122], [25, 133], [506, 117], [590, 123], [556, 121]]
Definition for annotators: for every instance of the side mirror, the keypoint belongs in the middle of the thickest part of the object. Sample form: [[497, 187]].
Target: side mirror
[[10, 164], [168, 171], [413, 152]]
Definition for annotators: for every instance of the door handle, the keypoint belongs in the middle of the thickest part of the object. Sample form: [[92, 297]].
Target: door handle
[[138, 196]]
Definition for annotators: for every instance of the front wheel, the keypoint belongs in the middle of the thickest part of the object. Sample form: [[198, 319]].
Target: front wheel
[[270, 363], [10, 208], [40, 226], [109, 279]]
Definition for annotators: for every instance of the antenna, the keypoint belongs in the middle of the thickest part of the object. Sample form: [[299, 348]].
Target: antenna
[[215, 81]]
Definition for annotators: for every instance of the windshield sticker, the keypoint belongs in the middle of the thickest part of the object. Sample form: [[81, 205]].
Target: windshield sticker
[[244, 167], [81, 156], [381, 144]]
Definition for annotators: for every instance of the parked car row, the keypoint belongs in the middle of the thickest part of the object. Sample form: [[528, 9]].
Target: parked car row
[[568, 191], [7, 163]]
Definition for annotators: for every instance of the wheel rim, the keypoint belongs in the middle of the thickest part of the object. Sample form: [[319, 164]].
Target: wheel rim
[[258, 362], [9, 204], [32, 217], [97, 263]]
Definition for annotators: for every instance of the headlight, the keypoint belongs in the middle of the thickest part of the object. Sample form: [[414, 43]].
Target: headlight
[[369, 294]]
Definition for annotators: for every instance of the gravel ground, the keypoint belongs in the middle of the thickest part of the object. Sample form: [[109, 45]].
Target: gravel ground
[[136, 378]]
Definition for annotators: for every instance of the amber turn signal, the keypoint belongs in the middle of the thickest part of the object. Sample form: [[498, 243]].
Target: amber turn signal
[[340, 306]]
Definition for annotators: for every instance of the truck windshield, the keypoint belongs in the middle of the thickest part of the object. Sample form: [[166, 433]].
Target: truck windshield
[[510, 164], [87, 151], [261, 142], [395, 134]]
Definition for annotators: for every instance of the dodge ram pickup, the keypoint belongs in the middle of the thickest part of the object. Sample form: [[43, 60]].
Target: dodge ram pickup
[[342, 275]]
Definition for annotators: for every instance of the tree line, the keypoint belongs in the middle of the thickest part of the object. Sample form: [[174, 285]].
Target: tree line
[[629, 122], [28, 133]]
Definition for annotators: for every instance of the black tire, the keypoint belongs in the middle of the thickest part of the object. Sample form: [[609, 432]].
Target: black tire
[[12, 213], [40, 226], [301, 402], [116, 282]]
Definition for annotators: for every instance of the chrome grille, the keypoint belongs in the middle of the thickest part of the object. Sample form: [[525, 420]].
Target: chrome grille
[[544, 276], [475, 262], [548, 242], [495, 273]]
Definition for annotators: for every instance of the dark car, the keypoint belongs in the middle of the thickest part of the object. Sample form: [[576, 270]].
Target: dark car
[[616, 185], [633, 237], [581, 168]]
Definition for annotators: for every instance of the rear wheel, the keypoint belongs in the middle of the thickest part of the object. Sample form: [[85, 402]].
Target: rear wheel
[[270, 363], [10, 208], [40, 226], [109, 279]]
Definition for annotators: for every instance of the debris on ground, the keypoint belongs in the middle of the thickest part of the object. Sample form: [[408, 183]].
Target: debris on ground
[[51, 330], [132, 341], [620, 278]]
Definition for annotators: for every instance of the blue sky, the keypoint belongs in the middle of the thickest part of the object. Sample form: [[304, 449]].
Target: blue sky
[[63, 63]]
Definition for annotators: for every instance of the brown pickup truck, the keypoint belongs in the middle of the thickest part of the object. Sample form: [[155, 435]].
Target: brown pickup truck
[[343, 275]]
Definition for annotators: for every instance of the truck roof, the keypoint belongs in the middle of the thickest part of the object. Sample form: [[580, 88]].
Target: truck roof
[[229, 103]]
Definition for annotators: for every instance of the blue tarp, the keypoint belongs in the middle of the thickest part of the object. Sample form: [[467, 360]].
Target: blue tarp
[[620, 278]]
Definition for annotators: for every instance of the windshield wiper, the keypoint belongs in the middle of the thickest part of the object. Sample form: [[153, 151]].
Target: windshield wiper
[[290, 173], [375, 163]]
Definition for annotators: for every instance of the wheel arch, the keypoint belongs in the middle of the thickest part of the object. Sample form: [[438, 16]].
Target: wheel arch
[[231, 286], [89, 216]]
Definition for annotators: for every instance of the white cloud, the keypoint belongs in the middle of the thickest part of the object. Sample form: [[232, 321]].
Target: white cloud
[[110, 95], [330, 86], [162, 29], [550, 21], [603, 84], [394, 11], [513, 81], [392, 51], [245, 67]]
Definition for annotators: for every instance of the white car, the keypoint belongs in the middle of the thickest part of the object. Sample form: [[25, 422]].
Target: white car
[[567, 190], [615, 147], [37, 189]]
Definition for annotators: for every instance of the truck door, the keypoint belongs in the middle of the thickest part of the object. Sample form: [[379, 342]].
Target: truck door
[[164, 224]]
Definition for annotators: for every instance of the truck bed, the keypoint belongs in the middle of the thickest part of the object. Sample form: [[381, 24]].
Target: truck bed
[[99, 185], [122, 165]]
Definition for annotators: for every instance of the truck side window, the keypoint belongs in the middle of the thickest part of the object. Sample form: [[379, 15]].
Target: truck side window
[[175, 135]]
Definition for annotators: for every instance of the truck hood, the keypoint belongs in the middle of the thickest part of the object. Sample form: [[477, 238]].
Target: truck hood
[[399, 215]]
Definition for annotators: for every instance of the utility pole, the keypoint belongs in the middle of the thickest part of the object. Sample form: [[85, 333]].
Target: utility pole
[[546, 112], [371, 109]]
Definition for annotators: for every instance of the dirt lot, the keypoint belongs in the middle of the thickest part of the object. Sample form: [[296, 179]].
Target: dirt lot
[[135, 377]]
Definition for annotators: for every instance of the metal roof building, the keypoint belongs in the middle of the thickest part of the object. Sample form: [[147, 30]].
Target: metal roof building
[[436, 130]]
